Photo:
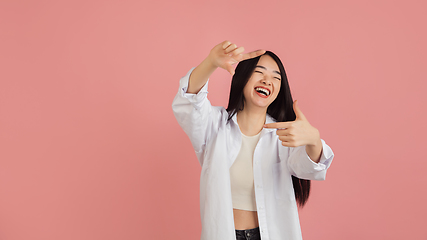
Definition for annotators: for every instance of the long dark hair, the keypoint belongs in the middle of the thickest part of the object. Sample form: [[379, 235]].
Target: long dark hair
[[281, 109]]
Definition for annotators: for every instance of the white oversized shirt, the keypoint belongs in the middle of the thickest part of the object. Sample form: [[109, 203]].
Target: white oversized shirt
[[217, 142]]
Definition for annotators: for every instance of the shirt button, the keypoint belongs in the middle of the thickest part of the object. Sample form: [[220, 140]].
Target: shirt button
[[258, 186], [247, 234]]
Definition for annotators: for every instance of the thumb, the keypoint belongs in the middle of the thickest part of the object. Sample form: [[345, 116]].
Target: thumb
[[230, 69], [298, 112]]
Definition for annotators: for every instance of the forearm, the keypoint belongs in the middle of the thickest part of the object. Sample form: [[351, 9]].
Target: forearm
[[314, 150], [200, 75]]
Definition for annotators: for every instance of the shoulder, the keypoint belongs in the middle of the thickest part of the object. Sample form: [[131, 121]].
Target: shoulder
[[222, 114]]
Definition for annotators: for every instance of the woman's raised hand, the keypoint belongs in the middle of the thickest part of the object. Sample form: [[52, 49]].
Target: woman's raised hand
[[225, 54]]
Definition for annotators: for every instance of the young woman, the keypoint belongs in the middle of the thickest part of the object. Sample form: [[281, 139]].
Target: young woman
[[258, 155]]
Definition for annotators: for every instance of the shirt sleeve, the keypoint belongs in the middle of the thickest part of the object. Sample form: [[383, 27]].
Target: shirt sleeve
[[300, 165], [195, 114]]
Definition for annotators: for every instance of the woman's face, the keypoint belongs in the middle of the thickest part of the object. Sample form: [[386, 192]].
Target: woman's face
[[263, 86]]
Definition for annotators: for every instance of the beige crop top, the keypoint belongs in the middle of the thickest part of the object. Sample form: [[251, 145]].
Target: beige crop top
[[242, 175]]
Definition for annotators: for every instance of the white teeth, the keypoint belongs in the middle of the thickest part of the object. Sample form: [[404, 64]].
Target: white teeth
[[267, 92]]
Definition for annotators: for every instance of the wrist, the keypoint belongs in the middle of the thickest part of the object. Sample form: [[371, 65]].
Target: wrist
[[207, 67], [316, 139], [210, 63]]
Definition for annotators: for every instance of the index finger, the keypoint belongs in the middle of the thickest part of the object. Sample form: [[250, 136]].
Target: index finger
[[278, 125], [252, 54]]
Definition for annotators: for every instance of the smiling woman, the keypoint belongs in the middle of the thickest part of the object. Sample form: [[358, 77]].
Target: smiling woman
[[258, 155], [263, 86]]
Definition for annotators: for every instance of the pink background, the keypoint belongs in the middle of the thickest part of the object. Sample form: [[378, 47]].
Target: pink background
[[89, 147]]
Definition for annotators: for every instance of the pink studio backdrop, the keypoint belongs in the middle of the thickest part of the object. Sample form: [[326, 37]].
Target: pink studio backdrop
[[89, 147]]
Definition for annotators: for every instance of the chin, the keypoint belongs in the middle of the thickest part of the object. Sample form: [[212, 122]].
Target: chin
[[262, 105]]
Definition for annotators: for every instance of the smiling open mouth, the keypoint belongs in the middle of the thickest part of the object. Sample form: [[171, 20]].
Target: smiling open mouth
[[263, 91]]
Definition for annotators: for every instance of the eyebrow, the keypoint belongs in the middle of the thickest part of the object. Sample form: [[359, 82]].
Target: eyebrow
[[266, 69]]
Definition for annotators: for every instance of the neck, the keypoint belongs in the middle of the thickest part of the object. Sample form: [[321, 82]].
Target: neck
[[251, 121]]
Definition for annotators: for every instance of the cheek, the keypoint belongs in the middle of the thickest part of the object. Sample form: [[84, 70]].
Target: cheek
[[246, 91], [248, 87]]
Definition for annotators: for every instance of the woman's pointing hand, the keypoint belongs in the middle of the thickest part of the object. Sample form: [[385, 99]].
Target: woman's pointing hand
[[296, 133]]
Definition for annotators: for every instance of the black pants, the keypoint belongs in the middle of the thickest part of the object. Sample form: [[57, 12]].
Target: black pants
[[249, 234]]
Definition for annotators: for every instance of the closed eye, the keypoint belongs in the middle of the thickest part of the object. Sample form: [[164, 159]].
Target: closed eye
[[263, 73]]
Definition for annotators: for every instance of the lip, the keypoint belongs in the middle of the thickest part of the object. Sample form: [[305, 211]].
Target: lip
[[262, 95]]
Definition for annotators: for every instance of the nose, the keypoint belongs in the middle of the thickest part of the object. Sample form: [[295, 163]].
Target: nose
[[266, 81]]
